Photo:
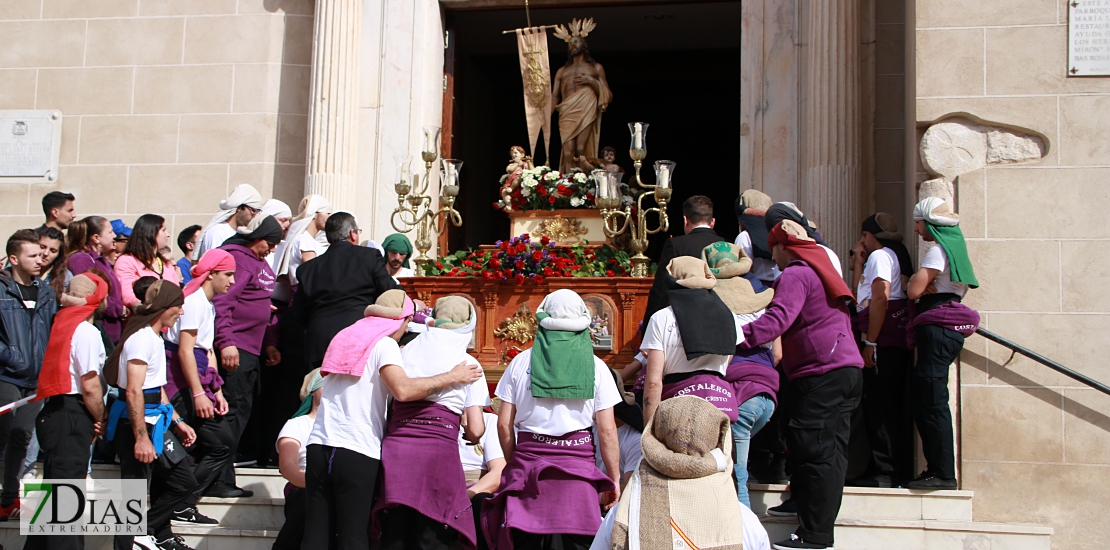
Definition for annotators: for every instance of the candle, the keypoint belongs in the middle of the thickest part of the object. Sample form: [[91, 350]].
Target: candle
[[638, 138], [664, 171]]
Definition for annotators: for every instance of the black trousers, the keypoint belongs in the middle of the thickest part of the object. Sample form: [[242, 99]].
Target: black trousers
[[551, 542], [887, 414], [292, 531], [170, 486], [341, 485], [476, 504], [241, 387], [937, 349], [65, 431], [212, 450], [820, 425], [404, 528], [15, 435], [772, 438]]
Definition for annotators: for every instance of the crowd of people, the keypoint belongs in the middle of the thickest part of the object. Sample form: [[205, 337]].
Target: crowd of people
[[286, 340]]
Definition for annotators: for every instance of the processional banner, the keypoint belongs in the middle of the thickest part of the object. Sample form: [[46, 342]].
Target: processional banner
[[535, 71]]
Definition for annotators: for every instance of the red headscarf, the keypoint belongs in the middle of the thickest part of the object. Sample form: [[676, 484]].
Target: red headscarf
[[793, 236], [213, 260], [54, 379]]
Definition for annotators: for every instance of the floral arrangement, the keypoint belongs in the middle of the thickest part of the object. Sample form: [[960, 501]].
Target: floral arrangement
[[542, 188], [519, 260]]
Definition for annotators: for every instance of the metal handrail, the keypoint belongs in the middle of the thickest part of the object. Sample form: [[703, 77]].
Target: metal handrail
[[1044, 361]]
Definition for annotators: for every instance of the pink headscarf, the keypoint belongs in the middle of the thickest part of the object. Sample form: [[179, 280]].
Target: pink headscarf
[[351, 347], [213, 260]]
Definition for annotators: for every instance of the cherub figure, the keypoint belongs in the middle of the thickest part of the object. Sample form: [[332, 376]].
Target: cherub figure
[[517, 165]]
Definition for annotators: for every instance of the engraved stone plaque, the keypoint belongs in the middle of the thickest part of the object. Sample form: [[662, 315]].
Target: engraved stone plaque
[[30, 142], [1089, 38]]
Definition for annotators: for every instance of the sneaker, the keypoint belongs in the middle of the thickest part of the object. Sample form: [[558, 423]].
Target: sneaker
[[174, 543], [93, 485], [877, 480], [144, 542], [190, 515], [929, 481], [786, 509], [29, 476], [222, 490], [795, 542], [10, 512]]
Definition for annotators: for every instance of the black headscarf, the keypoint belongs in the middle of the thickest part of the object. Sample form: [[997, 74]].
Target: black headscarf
[[890, 238], [787, 211], [753, 224], [161, 296], [705, 323], [268, 229]]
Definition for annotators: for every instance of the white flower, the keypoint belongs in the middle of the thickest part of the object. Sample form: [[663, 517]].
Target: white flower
[[552, 175], [580, 177], [525, 191], [627, 200], [528, 184], [576, 202]]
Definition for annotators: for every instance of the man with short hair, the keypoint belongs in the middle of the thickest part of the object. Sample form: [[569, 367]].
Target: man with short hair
[[336, 287], [237, 210], [187, 242], [123, 234], [398, 250], [698, 222], [27, 308], [59, 209]]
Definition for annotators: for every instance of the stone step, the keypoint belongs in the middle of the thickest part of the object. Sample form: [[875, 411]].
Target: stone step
[[200, 538], [874, 503], [879, 534]]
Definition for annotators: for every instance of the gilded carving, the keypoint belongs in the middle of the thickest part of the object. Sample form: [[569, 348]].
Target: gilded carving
[[561, 229], [521, 327]]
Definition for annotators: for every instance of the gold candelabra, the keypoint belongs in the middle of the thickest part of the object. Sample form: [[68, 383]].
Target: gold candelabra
[[608, 199], [418, 213]]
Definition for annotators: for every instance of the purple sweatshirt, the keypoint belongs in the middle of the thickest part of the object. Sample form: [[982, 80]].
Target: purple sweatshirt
[[752, 372], [243, 314], [81, 262], [953, 316], [816, 330]]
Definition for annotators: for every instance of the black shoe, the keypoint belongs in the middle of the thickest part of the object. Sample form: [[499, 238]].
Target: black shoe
[[877, 480], [191, 515], [795, 542], [221, 490], [786, 509], [773, 472], [929, 481], [174, 543]]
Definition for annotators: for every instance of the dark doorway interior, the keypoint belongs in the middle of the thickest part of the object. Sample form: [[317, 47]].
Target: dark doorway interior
[[674, 66]]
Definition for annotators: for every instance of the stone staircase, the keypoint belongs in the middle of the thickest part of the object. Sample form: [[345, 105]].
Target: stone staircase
[[870, 519]]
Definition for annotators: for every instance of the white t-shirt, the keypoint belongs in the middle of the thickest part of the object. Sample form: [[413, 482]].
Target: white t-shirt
[[834, 259], [145, 346], [197, 314], [215, 237], [298, 430], [549, 415], [754, 538], [455, 396], [631, 451], [662, 334], [303, 243], [477, 457], [937, 259], [404, 272], [86, 354], [352, 409], [881, 264], [762, 268]]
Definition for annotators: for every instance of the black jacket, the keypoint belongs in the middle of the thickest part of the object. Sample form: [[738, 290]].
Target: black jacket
[[684, 245], [23, 332], [334, 290]]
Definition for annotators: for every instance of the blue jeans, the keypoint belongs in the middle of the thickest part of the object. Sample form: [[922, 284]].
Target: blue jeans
[[752, 415]]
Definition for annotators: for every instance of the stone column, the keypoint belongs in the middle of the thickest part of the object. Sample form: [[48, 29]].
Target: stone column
[[333, 118], [830, 122]]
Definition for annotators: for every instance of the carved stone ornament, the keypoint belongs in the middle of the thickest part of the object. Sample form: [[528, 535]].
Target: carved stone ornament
[[561, 229], [521, 327]]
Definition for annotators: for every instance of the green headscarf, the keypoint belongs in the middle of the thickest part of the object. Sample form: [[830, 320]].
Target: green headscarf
[[943, 225], [562, 360], [313, 382], [398, 244]]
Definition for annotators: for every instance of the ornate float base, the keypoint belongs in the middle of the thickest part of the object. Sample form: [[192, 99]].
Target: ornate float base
[[506, 313], [568, 225]]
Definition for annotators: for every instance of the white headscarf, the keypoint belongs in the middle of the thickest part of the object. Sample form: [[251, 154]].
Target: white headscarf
[[438, 350], [309, 207], [277, 209], [935, 211], [566, 309], [244, 194]]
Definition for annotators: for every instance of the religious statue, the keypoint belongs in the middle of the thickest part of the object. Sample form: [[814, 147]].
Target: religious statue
[[581, 94], [518, 163], [608, 160]]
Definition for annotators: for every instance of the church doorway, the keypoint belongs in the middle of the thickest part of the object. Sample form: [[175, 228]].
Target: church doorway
[[674, 66]]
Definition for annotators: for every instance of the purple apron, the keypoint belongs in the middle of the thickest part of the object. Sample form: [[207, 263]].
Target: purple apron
[[953, 316], [210, 378], [550, 486], [710, 387], [421, 469], [895, 325]]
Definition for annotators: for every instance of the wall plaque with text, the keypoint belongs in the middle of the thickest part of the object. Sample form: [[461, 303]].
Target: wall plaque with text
[[1089, 38], [30, 142]]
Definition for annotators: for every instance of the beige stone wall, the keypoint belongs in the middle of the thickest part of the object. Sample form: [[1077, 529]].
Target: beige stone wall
[[1035, 445], [167, 103]]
